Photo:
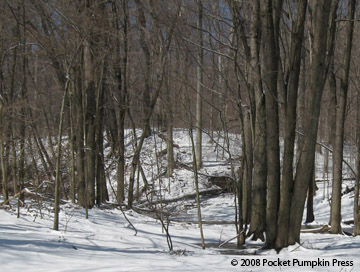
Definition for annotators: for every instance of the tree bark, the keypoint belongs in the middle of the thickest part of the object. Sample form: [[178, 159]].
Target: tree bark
[[79, 134], [269, 77], [357, 182], [320, 18], [2, 158], [310, 217], [199, 83], [287, 180], [198, 204], [258, 210], [58, 159], [340, 123], [148, 65], [121, 94], [90, 112]]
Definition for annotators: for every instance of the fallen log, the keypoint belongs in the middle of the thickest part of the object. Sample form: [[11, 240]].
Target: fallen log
[[23, 191], [184, 197]]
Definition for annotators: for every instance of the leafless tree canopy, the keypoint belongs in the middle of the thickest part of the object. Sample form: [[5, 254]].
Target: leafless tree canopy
[[76, 74]]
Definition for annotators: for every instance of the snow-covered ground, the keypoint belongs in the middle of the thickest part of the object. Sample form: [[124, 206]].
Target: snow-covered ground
[[106, 242]]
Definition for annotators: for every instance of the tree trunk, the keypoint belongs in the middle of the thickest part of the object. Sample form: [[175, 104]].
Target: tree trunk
[[22, 122], [101, 187], [198, 204], [79, 135], [58, 159], [258, 209], [199, 82], [2, 158], [121, 95], [247, 176], [340, 121], [90, 129], [320, 18], [269, 77], [169, 133], [290, 124], [148, 66], [72, 145], [310, 217], [357, 182]]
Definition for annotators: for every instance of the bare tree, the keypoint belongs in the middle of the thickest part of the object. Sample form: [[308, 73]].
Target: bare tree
[[148, 66], [270, 55], [199, 83], [290, 101], [319, 21], [258, 210], [340, 121]]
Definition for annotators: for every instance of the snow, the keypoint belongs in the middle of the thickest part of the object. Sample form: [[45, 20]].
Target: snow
[[106, 242]]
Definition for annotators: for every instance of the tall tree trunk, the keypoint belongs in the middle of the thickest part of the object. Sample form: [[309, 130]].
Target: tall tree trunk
[[11, 126], [247, 176], [297, 32], [79, 135], [22, 122], [101, 187], [2, 158], [90, 112], [169, 131], [199, 82], [320, 18], [258, 209], [270, 76], [121, 94], [310, 217], [58, 159], [198, 204], [72, 145], [246, 115], [340, 121], [357, 182], [148, 66]]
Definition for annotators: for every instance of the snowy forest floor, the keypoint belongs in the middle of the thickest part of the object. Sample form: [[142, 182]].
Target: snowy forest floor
[[106, 242]]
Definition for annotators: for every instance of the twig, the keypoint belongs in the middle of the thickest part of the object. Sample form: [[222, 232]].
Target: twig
[[229, 240], [121, 209], [127, 219]]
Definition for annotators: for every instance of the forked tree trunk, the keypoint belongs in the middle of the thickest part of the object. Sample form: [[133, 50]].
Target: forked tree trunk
[[290, 124], [320, 17], [136, 158]]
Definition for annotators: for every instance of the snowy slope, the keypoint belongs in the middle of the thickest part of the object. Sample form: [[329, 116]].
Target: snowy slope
[[106, 242]]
